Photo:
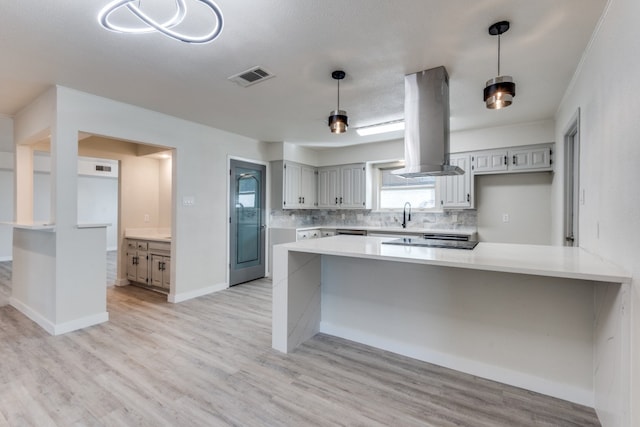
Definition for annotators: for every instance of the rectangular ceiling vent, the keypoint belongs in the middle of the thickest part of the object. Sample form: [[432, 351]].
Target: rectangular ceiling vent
[[251, 76], [103, 168]]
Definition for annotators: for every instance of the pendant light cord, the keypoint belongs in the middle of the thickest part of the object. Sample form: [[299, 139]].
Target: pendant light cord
[[338, 95], [498, 55]]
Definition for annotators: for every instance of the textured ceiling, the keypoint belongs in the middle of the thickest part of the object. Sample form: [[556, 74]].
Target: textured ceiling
[[376, 42]]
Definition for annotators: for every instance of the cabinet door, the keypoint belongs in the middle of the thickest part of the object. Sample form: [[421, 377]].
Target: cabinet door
[[490, 161], [530, 159], [457, 190], [308, 186], [132, 266], [353, 186], [291, 186], [328, 184], [156, 270], [142, 274], [166, 273], [160, 271]]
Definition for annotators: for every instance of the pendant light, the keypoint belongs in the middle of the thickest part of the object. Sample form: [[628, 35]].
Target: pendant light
[[499, 91], [338, 120]]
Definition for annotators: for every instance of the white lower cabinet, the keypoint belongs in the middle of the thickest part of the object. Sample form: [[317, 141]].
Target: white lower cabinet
[[160, 271], [149, 263]]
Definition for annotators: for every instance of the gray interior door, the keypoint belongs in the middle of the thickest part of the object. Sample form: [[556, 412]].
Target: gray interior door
[[247, 222]]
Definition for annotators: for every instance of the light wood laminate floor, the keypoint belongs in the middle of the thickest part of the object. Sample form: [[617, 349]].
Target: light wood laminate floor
[[209, 362]]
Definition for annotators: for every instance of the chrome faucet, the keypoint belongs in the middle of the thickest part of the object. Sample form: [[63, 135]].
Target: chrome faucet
[[406, 218]]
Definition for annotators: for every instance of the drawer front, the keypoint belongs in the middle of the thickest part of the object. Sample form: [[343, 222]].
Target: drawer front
[[143, 246]]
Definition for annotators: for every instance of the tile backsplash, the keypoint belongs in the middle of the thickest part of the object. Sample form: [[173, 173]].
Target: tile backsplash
[[367, 218]]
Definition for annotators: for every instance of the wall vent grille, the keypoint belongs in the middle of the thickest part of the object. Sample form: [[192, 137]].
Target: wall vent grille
[[103, 168], [251, 76]]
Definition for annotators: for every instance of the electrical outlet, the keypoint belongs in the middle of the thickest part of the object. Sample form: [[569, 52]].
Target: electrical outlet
[[454, 218], [146, 218], [188, 201], [360, 217], [505, 217], [343, 216]]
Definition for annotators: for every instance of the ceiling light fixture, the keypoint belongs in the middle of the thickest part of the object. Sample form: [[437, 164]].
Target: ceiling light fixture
[[499, 91], [338, 120], [379, 128], [151, 25]]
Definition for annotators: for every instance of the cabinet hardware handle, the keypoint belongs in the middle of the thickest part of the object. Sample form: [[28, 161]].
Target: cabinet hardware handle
[[505, 160], [468, 197], [336, 200], [340, 200], [303, 199], [515, 162]]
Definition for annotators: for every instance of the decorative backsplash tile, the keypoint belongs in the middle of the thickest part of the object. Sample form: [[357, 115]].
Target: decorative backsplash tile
[[367, 218]]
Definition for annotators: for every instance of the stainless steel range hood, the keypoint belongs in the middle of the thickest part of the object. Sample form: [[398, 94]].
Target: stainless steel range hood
[[426, 125]]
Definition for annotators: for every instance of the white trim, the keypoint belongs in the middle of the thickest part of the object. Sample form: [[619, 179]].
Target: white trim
[[61, 328], [184, 296], [6, 258], [122, 282], [506, 376], [83, 322]]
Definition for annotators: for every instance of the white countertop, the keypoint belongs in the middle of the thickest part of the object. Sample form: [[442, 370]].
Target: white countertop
[[552, 261], [150, 237]]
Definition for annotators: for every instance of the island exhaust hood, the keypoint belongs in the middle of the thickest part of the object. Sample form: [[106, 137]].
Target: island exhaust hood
[[426, 118]]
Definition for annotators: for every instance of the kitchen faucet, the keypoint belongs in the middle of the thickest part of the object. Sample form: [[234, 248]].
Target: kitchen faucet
[[406, 218]]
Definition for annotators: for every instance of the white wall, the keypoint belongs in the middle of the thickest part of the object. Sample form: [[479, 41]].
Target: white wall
[[6, 134], [6, 185], [199, 249], [606, 90], [529, 216]]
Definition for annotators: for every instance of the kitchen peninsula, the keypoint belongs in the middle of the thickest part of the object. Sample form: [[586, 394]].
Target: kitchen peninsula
[[519, 314]]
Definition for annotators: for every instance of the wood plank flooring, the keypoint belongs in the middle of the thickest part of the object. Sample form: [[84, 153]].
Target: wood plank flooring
[[209, 362]]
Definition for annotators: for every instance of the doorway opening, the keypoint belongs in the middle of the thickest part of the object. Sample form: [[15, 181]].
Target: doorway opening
[[247, 225], [572, 180]]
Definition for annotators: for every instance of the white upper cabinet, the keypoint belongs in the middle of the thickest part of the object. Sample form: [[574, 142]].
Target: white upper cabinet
[[299, 186], [456, 191], [342, 187], [490, 161], [353, 186], [516, 159], [531, 159]]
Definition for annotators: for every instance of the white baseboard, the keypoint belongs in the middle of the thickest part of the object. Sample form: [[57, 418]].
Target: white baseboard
[[6, 258], [122, 282], [112, 248], [479, 369], [184, 296], [61, 328]]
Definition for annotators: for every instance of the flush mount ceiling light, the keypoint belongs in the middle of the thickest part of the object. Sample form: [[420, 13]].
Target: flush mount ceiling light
[[379, 128], [151, 25], [499, 91], [338, 120]]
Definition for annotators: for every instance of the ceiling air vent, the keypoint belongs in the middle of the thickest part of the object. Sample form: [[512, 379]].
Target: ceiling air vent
[[102, 168], [251, 76]]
